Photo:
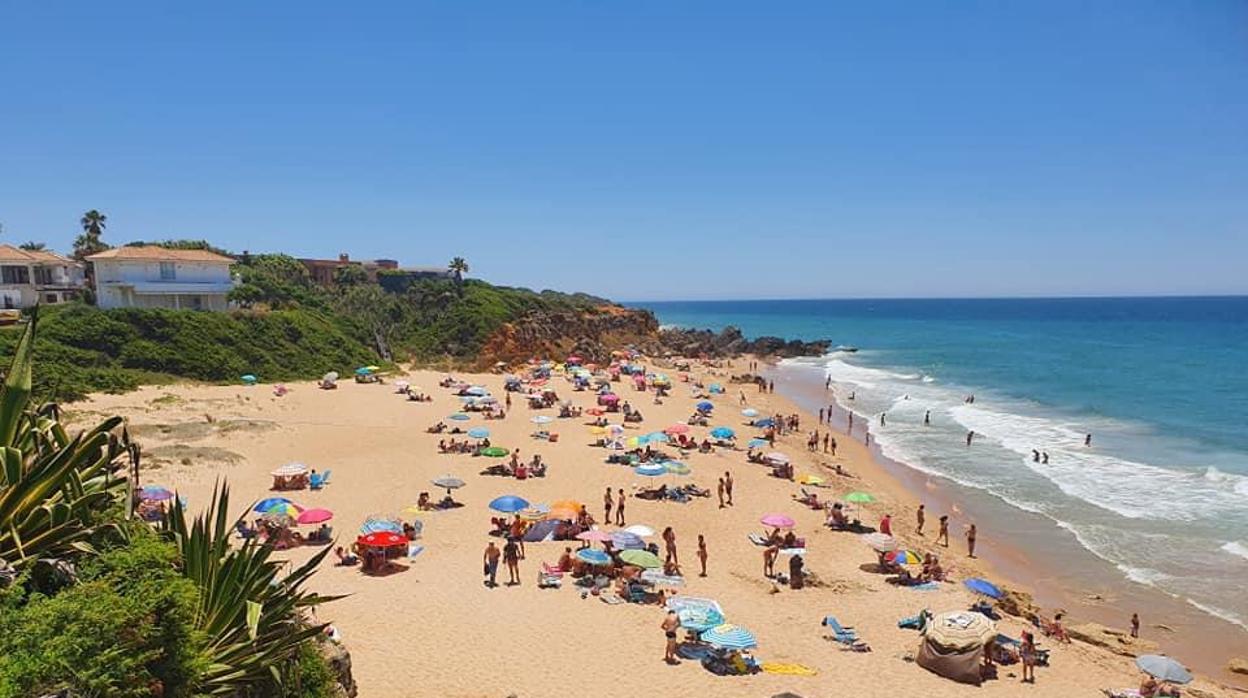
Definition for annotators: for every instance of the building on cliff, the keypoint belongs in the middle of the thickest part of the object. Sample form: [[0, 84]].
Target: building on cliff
[[324, 272]]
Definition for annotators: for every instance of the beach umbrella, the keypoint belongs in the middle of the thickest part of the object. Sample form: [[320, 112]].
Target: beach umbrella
[[593, 557], [960, 631], [448, 482], [680, 603], [749, 412], [153, 493], [623, 540], [658, 437], [699, 618], [723, 433], [266, 504], [479, 433], [778, 521], [715, 388], [509, 504], [705, 406], [375, 524], [290, 470], [594, 535], [314, 516], [636, 441], [459, 417], [984, 587], [880, 542], [904, 557], [764, 423], [476, 391], [1163, 668], [615, 429], [776, 458], [859, 498], [597, 431], [730, 637], [656, 577], [374, 369], [382, 539], [675, 467], [650, 470], [287, 510], [641, 558], [557, 513], [678, 428], [541, 419], [640, 530], [757, 443], [535, 512], [249, 379], [494, 451], [330, 377]]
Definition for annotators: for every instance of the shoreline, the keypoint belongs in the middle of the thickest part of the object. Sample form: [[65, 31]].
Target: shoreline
[[1173, 623]]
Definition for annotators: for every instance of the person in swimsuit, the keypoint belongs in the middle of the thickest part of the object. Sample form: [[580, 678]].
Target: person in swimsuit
[[669, 544], [769, 560], [670, 623], [607, 503], [490, 561], [1027, 655], [921, 517], [720, 490], [942, 536], [702, 554], [511, 556], [971, 533], [728, 486], [619, 508]]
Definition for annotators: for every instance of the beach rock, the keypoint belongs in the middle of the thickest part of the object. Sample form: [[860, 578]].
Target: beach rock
[[1112, 639], [1238, 665], [592, 334], [339, 661], [1019, 604], [732, 342]]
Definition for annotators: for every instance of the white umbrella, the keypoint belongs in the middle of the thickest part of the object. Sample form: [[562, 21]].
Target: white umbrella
[[290, 470], [640, 530], [880, 542]]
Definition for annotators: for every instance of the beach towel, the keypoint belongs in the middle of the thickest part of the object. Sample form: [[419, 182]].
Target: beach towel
[[788, 669], [925, 586]]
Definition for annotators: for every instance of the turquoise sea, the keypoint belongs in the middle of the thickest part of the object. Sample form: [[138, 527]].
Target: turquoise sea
[[1160, 383]]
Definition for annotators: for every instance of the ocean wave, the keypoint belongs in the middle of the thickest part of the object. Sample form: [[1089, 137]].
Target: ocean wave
[[1219, 613], [1236, 548]]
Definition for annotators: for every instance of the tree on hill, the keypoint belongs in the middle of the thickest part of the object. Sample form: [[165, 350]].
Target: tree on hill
[[458, 266], [33, 246], [350, 275], [93, 223]]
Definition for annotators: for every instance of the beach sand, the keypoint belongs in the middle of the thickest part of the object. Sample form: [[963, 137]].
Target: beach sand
[[434, 629]]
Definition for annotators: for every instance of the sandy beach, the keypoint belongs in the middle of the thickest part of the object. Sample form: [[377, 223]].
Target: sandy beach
[[435, 629]]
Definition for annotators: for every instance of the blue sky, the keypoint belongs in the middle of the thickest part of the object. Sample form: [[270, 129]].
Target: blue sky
[[650, 150]]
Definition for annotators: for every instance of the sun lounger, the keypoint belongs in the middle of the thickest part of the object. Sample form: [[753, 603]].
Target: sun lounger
[[843, 635], [319, 480], [915, 622], [757, 539]]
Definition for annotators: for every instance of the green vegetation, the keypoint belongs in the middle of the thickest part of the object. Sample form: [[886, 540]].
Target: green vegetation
[[96, 603]]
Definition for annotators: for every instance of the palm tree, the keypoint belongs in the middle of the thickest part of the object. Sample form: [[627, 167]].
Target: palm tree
[[93, 223], [33, 246], [459, 267]]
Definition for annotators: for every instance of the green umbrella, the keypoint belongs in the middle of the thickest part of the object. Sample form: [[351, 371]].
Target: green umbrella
[[494, 452], [859, 498], [641, 558]]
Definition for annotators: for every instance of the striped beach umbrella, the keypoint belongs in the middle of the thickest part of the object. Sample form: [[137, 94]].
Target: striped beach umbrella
[[650, 470], [730, 637], [624, 540]]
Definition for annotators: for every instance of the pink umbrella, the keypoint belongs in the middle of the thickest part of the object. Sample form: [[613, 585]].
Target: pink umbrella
[[594, 535], [778, 521], [677, 429], [315, 516], [609, 397]]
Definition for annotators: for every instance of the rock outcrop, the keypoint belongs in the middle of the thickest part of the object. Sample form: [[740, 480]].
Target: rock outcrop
[[731, 342], [1238, 666], [339, 661], [1112, 639]]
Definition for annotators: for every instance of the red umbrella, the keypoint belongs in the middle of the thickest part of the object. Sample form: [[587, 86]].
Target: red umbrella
[[315, 516], [382, 539]]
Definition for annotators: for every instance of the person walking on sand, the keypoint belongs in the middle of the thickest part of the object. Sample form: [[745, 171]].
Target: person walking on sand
[[825, 442], [769, 560], [728, 486], [720, 490], [669, 543], [821, 415], [970, 540], [511, 556], [942, 536], [619, 508], [702, 554], [886, 525], [671, 622], [921, 517], [850, 429], [607, 504], [490, 561], [1027, 656], [832, 440], [1135, 625]]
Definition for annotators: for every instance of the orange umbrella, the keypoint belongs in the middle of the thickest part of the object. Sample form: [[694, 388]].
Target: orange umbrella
[[558, 513], [567, 504]]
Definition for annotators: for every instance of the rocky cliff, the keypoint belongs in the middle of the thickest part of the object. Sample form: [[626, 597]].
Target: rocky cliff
[[731, 342]]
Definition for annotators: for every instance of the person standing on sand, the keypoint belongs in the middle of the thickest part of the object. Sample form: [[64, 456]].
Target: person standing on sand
[[850, 429], [771, 388], [670, 624], [511, 556], [886, 525], [769, 560], [702, 554], [942, 536], [607, 504], [507, 400], [833, 442], [619, 508], [490, 561], [1135, 625], [970, 540], [720, 490], [669, 543], [728, 486], [921, 516], [1027, 656], [825, 442]]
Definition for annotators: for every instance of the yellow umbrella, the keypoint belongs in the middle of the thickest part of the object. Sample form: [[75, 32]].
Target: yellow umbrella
[[597, 431]]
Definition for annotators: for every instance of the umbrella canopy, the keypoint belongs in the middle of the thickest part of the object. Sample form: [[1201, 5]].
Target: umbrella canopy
[[479, 432], [723, 433], [476, 391], [984, 587], [249, 378], [593, 556], [594, 535], [383, 539], [265, 504], [363, 371], [597, 431], [764, 423], [960, 631], [641, 558], [623, 540], [904, 557], [609, 397], [447, 482], [378, 524], [756, 443], [657, 437], [640, 530], [459, 417], [153, 493], [563, 513], [541, 419], [675, 467], [315, 516], [778, 521], [730, 637], [615, 429], [1163, 668], [679, 428], [879, 542], [509, 504], [330, 377], [777, 458], [705, 406], [699, 618], [749, 412], [859, 498], [286, 510], [290, 470], [650, 470], [494, 451]]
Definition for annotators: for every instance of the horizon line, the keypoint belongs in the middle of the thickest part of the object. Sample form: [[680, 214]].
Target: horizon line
[[1142, 296]]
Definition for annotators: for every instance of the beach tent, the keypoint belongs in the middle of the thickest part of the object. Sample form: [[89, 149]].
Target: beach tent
[[953, 645], [541, 531]]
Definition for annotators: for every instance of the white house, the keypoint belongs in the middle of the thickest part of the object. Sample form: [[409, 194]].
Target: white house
[[28, 277], [156, 277]]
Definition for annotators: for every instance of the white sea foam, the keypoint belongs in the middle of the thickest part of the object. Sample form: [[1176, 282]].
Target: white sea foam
[[1236, 548], [1220, 613]]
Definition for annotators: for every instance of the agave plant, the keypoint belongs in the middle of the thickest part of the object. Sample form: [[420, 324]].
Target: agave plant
[[53, 488], [252, 615]]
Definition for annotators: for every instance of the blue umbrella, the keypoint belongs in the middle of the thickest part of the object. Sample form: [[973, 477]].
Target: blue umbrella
[[650, 470], [623, 540], [749, 412], [154, 493], [478, 432], [249, 378], [756, 443], [983, 586], [477, 391], [715, 388], [657, 437], [700, 619], [593, 556], [768, 422], [363, 371], [723, 433], [459, 417], [377, 524], [1163, 668], [509, 504], [705, 406], [266, 504], [731, 637]]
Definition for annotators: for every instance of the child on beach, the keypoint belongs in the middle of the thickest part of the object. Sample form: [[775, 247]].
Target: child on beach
[[702, 554]]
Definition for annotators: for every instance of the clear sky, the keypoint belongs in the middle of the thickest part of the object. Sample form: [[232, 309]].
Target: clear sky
[[652, 149]]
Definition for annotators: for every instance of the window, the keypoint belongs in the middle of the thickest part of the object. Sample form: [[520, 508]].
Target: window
[[168, 271], [196, 302], [15, 275], [43, 276], [51, 298]]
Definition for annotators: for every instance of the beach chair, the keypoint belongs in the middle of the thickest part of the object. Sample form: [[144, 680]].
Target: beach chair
[[757, 539], [915, 622], [840, 633], [319, 480]]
